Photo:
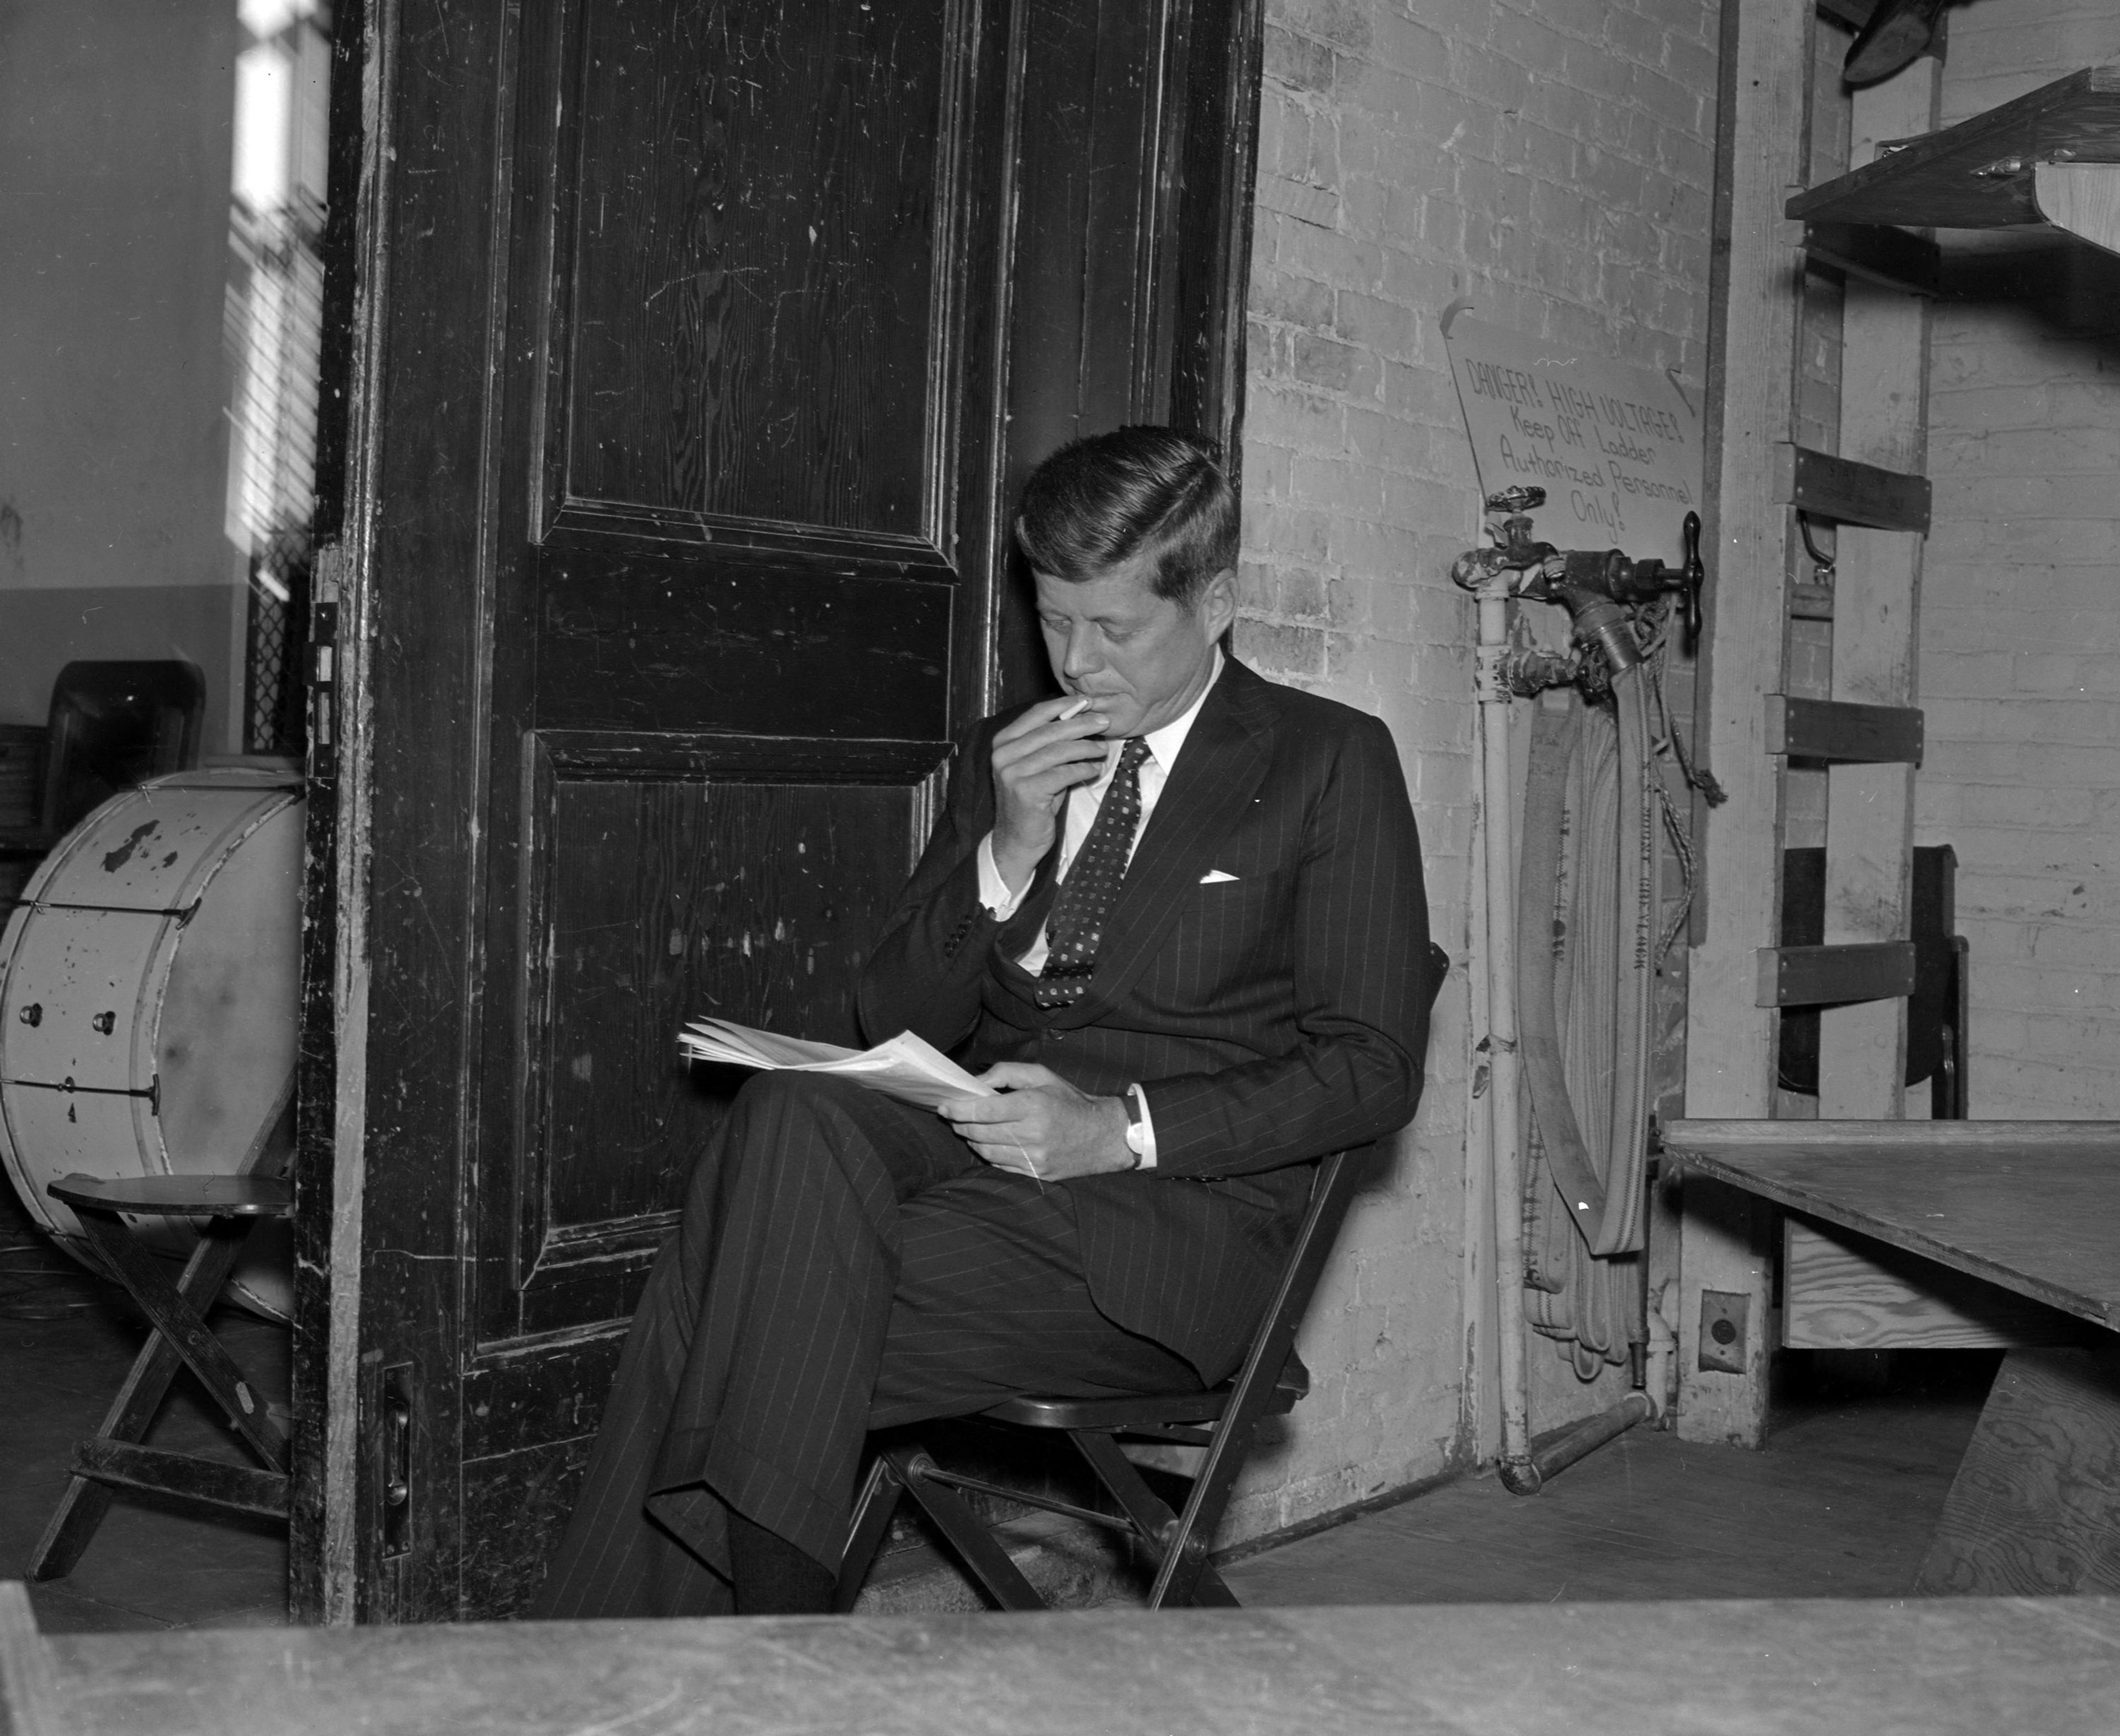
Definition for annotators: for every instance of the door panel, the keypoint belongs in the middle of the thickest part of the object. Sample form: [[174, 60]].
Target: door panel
[[669, 875], [728, 648], [1131, 245], [674, 516], [759, 251], [753, 282], [795, 650]]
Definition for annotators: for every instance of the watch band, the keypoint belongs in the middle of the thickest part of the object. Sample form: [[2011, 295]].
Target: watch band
[[1136, 1138]]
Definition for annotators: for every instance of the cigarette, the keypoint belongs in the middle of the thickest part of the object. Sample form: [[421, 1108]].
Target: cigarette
[[1076, 709]]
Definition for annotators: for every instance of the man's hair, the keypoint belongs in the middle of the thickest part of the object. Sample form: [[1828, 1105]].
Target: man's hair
[[1098, 503]]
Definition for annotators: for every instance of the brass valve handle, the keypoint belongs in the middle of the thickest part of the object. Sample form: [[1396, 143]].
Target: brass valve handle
[[1639, 580], [1696, 576]]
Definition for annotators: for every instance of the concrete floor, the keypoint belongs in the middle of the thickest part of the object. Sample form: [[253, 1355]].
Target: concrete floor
[[1841, 1504]]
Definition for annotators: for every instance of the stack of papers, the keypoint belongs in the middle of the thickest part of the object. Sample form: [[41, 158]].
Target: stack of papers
[[908, 1067]]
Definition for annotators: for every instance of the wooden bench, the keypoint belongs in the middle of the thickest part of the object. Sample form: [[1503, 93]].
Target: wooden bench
[[1922, 1234]]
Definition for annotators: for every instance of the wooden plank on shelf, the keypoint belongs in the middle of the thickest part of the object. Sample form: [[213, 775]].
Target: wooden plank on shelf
[[1847, 492], [2033, 1205], [1835, 975], [1977, 175], [2035, 1509], [2083, 198], [1869, 808], [1844, 733], [1844, 1290], [1896, 259], [1726, 1240], [2043, 1139]]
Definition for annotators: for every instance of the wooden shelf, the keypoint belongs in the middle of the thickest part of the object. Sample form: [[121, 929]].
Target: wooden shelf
[[1978, 175], [1894, 258]]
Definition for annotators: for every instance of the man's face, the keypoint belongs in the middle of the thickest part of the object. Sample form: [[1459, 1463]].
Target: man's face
[[1142, 658]]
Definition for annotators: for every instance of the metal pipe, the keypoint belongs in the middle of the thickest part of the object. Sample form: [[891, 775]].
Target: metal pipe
[[1591, 1433], [1519, 1474], [1663, 1353]]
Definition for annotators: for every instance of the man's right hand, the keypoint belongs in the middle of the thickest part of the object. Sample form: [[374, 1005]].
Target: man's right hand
[[1036, 761]]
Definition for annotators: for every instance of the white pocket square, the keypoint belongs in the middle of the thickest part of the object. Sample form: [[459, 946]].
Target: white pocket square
[[1215, 877]]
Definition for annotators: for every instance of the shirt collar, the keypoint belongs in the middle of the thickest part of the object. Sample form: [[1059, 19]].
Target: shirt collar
[[1164, 743]]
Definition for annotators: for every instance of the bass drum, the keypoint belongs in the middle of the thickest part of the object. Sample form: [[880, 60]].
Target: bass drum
[[148, 986]]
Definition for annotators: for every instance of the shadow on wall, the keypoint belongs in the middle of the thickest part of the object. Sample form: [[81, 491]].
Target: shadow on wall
[[2069, 285]]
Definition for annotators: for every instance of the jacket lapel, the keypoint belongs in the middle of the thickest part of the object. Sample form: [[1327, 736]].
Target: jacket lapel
[[1218, 772]]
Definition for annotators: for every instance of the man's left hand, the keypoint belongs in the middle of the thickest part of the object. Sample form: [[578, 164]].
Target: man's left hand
[[1041, 1125]]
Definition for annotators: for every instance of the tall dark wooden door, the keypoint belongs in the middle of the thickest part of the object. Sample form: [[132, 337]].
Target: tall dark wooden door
[[673, 551]]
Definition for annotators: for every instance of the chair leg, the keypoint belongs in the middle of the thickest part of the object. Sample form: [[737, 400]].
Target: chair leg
[[183, 1325], [1161, 1527], [988, 1563], [873, 1511], [83, 1508]]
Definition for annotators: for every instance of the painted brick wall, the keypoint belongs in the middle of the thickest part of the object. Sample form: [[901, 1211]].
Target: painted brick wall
[[2021, 614], [1551, 163]]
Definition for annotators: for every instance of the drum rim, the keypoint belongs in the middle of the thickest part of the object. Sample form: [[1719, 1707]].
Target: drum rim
[[274, 799], [272, 794]]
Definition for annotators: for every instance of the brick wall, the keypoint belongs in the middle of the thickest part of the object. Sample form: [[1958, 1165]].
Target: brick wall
[[2020, 632], [1552, 163]]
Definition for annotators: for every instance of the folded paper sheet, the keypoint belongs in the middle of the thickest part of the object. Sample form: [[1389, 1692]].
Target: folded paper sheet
[[908, 1067]]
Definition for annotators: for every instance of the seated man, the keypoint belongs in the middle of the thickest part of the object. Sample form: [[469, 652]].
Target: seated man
[[1177, 915]]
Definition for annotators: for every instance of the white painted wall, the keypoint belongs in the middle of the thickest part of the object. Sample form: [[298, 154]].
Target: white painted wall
[[2021, 618], [1552, 162], [114, 141]]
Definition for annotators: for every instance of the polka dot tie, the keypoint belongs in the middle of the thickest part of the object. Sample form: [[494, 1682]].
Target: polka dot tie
[[1076, 925]]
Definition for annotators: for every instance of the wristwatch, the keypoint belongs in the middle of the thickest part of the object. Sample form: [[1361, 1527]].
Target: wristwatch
[[1137, 1135]]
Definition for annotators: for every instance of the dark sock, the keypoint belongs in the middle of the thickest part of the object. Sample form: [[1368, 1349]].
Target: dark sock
[[773, 1577]]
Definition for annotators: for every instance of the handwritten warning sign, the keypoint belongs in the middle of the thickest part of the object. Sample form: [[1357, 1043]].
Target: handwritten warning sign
[[1616, 449]]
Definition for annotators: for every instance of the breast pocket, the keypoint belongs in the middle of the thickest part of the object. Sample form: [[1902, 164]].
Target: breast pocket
[[1233, 927]]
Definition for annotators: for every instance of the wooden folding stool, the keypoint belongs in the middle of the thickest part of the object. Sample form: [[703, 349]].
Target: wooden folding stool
[[116, 1457]]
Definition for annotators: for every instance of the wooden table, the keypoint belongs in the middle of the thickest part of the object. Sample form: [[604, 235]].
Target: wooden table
[[2031, 1208], [1933, 1669], [2033, 1205]]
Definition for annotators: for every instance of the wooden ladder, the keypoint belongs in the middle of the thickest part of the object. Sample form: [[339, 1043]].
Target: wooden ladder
[[1871, 489]]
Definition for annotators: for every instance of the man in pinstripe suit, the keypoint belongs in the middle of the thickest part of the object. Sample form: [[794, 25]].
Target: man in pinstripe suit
[[1182, 927]]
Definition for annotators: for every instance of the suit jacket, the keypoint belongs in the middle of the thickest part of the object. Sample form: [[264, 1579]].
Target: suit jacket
[[1269, 1018]]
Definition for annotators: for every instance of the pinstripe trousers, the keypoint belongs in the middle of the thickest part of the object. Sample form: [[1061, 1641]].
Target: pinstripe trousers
[[844, 1262]]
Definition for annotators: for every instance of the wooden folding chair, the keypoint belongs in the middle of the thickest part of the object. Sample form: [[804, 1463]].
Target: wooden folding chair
[[1221, 1420], [116, 1457], [1268, 1383]]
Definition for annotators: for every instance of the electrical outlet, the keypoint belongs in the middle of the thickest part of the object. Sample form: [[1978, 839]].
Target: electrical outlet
[[1724, 1316]]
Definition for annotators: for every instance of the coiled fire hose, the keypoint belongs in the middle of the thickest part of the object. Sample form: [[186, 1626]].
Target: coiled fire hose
[[1586, 968]]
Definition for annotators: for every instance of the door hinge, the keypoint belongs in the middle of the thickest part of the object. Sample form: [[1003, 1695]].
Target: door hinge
[[323, 681], [393, 1446]]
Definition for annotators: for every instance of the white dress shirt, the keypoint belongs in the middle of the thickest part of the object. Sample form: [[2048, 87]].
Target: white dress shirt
[[1083, 801]]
